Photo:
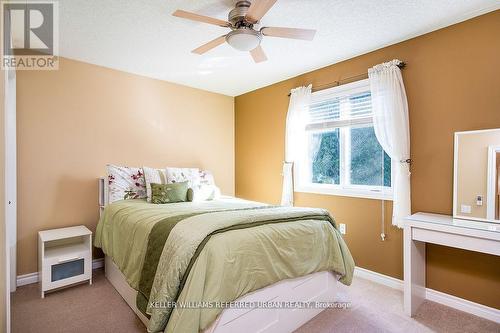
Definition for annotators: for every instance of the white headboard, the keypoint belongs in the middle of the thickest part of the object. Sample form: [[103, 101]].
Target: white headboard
[[103, 193]]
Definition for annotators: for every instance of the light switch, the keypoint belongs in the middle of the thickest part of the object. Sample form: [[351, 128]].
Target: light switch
[[465, 209], [342, 228]]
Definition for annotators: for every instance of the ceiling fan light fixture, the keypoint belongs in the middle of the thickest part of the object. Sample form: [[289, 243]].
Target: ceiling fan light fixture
[[244, 39], [242, 21]]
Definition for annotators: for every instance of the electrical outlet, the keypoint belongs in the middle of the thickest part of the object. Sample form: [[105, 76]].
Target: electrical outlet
[[342, 228], [466, 209]]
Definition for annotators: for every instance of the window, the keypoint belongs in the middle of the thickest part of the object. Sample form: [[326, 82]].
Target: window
[[341, 154]]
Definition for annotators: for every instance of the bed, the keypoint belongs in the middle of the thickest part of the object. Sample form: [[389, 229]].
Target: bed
[[222, 265]]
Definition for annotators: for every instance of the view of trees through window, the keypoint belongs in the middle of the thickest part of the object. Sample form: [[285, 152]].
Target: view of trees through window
[[366, 159], [326, 164], [342, 148], [364, 153]]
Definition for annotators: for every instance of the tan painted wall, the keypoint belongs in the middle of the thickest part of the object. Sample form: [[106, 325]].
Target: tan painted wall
[[74, 121], [452, 85], [3, 321], [472, 170]]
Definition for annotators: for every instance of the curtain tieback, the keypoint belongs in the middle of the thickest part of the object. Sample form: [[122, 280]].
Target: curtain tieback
[[408, 161]]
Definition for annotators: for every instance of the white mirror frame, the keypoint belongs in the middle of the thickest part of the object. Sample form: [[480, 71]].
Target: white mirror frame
[[491, 175]]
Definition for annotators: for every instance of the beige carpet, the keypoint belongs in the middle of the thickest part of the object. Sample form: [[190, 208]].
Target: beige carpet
[[99, 308]]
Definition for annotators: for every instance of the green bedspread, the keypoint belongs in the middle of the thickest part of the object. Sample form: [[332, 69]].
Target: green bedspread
[[214, 251], [156, 241]]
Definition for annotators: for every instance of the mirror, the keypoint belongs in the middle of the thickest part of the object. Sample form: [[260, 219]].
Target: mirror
[[476, 186]]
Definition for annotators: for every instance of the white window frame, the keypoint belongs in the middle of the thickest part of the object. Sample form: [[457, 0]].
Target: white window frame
[[344, 188]]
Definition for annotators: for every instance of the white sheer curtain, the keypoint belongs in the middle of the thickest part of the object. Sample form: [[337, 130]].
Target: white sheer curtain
[[294, 137], [391, 125]]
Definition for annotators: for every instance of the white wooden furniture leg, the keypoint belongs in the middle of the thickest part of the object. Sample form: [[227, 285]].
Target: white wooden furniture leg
[[414, 272]]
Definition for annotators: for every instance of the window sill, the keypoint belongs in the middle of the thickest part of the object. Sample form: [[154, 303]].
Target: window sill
[[345, 192]]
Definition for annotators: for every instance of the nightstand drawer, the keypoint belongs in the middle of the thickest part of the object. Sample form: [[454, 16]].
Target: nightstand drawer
[[65, 270]]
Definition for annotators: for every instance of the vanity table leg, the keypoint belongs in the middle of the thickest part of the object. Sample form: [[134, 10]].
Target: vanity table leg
[[414, 272]]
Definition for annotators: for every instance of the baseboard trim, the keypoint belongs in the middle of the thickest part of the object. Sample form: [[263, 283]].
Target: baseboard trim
[[25, 279], [30, 278], [382, 279], [97, 263], [464, 305], [451, 301]]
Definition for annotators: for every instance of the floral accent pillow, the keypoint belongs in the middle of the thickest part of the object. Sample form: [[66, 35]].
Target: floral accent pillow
[[169, 193], [201, 182], [207, 189], [125, 183], [177, 175], [156, 176], [206, 178]]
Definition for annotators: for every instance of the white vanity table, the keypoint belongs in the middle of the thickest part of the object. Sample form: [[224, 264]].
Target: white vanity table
[[475, 225], [444, 230]]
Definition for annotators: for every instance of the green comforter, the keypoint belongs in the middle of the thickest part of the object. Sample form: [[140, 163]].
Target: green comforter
[[214, 251]]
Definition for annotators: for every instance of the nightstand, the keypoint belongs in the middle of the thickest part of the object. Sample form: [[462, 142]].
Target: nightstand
[[64, 257]]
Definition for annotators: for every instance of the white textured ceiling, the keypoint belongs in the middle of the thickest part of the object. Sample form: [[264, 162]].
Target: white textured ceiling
[[141, 37]]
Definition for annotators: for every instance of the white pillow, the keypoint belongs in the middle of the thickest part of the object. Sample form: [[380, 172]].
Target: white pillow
[[206, 178], [201, 181], [177, 175], [155, 176], [206, 192], [207, 189], [125, 183]]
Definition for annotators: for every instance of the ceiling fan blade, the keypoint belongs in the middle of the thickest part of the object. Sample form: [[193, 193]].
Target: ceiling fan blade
[[258, 9], [200, 18], [210, 45], [258, 54], [305, 34]]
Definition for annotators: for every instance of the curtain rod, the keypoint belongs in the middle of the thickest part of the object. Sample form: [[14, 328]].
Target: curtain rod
[[339, 82]]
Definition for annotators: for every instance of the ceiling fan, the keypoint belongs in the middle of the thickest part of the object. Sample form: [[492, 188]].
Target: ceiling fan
[[243, 35]]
